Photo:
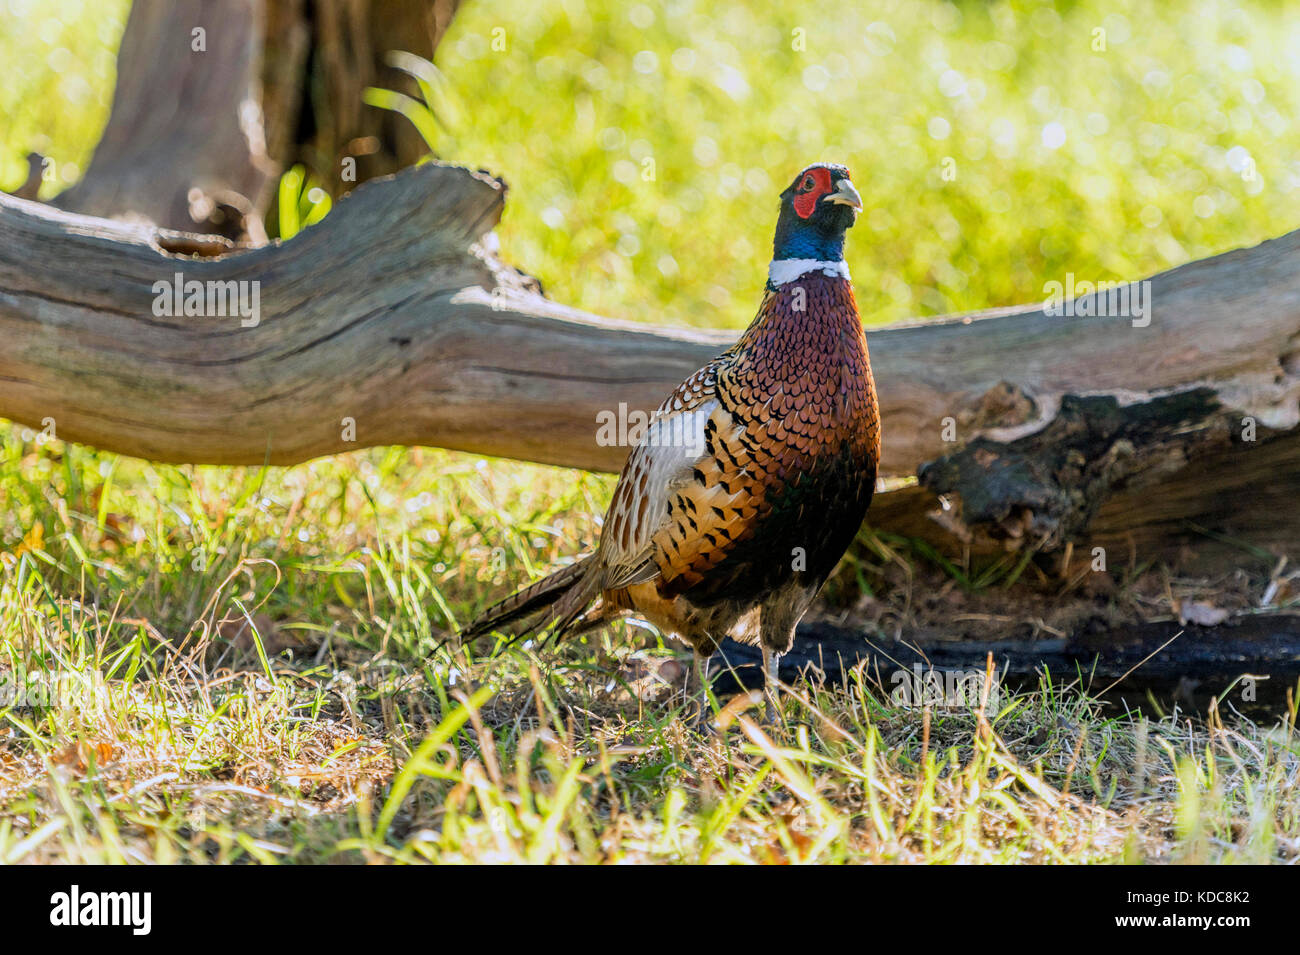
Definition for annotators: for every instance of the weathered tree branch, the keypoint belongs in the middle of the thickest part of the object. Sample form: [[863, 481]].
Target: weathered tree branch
[[390, 312], [394, 313]]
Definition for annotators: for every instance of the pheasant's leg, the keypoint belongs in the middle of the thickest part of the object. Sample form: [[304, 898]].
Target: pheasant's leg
[[771, 684], [701, 673], [688, 688]]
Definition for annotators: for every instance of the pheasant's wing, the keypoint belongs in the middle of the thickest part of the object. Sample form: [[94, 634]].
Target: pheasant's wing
[[671, 450], [690, 490], [720, 503]]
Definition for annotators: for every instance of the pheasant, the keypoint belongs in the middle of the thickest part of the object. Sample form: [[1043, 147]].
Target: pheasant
[[752, 477]]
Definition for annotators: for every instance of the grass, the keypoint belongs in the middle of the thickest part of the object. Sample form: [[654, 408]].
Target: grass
[[244, 656], [150, 755], [242, 672]]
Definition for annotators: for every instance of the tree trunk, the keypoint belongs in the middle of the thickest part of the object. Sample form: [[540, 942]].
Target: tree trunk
[[392, 322], [215, 98], [183, 147], [320, 58]]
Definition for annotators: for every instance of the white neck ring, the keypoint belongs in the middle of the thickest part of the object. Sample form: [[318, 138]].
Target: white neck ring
[[782, 271]]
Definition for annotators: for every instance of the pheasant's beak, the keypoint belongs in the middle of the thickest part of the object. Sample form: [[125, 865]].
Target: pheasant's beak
[[845, 194]]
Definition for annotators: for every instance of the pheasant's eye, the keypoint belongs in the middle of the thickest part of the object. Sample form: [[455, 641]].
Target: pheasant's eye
[[808, 183]]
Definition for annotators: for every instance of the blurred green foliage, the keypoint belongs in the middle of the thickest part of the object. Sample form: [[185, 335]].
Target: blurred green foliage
[[58, 62], [997, 145], [1110, 164]]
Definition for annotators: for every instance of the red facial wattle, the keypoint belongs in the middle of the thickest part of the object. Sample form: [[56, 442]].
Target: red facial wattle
[[805, 200]]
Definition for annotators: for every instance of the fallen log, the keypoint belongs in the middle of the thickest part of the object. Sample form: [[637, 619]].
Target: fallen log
[[1048, 487], [1162, 659], [393, 321], [1235, 505]]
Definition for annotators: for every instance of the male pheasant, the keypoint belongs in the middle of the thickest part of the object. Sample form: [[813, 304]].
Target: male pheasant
[[754, 474]]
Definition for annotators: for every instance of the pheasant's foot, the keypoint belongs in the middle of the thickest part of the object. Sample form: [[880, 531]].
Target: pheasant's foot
[[702, 723]]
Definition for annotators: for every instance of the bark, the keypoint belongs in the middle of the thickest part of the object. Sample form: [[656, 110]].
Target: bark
[[393, 322], [1200, 499], [1049, 487]]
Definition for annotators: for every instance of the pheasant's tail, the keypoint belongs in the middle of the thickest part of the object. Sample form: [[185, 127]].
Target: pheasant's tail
[[551, 604]]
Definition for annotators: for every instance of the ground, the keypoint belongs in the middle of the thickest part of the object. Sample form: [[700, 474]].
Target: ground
[[246, 658]]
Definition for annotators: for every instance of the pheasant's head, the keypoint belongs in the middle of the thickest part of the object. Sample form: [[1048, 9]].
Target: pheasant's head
[[815, 210]]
